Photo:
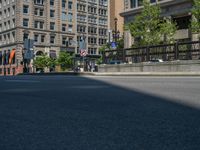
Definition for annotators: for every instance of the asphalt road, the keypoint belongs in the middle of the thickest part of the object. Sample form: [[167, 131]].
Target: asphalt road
[[99, 113]]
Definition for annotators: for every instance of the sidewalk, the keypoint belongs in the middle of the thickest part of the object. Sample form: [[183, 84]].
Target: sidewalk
[[147, 74]]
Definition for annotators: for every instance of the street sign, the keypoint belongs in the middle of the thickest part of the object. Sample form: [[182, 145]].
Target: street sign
[[113, 45], [29, 54], [83, 52]]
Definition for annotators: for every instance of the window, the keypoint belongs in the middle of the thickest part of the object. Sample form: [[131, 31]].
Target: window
[[25, 36], [103, 12], [52, 26], [92, 30], [63, 27], [70, 28], [81, 29], [64, 16], [25, 9], [39, 2], [52, 39], [25, 22], [92, 40], [81, 7], [70, 5], [64, 40], [102, 32], [39, 12], [63, 4], [92, 19], [92, 51], [52, 13], [36, 38], [102, 41], [13, 10], [81, 18], [70, 17], [92, 10], [41, 25], [42, 38], [183, 22], [51, 2]]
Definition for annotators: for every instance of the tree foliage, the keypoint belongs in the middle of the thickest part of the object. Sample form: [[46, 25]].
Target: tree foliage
[[43, 61], [64, 60], [196, 14], [148, 28]]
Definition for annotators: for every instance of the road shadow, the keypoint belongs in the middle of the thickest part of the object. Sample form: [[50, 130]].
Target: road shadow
[[78, 113]]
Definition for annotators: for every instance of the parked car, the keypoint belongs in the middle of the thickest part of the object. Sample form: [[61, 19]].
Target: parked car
[[115, 62], [156, 60]]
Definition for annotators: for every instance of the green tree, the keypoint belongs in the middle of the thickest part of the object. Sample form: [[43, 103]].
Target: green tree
[[149, 29], [65, 60], [102, 49], [195, 24], [120, 43], [42, 62]]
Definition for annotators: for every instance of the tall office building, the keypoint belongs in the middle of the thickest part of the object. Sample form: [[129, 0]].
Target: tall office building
[[54, 25], [178, 10], [92, 23]]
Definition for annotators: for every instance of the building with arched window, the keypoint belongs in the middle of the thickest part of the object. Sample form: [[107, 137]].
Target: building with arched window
[[54, 25]]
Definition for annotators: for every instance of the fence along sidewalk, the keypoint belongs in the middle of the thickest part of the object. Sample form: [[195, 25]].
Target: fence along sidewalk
[[166, 52]]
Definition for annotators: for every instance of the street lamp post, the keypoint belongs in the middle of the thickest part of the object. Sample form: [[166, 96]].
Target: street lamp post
[[115, 29]]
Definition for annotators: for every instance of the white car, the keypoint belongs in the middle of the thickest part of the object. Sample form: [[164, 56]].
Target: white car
[[156, 60]]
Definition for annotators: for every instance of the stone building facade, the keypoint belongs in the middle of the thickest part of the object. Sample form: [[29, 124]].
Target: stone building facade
[[92, 24], [178, 10], [54, 25]]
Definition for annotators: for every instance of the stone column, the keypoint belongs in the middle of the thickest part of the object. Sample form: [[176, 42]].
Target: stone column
[[128, 40]]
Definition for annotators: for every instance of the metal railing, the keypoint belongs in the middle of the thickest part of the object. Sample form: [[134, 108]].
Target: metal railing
[[167, 52]]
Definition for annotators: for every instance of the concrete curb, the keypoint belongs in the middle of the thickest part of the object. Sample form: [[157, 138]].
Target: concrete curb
[[148, 74], [116, 74]]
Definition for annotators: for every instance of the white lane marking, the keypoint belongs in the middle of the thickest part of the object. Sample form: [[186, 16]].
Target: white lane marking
[[22, 81]]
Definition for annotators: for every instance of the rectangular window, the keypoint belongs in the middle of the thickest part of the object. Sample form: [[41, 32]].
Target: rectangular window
[[52, 39], [52, 26], [39, 2], [63, 4], [25, 36], [70, 28], [25, 22], [42, 38], [25, 9], [70, 17], [70, 5], [36, 38], [64, 27], [64, 16], [52, 13], [51, 2]]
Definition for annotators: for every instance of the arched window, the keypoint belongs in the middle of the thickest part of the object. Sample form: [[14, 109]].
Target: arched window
[[39, 53]]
